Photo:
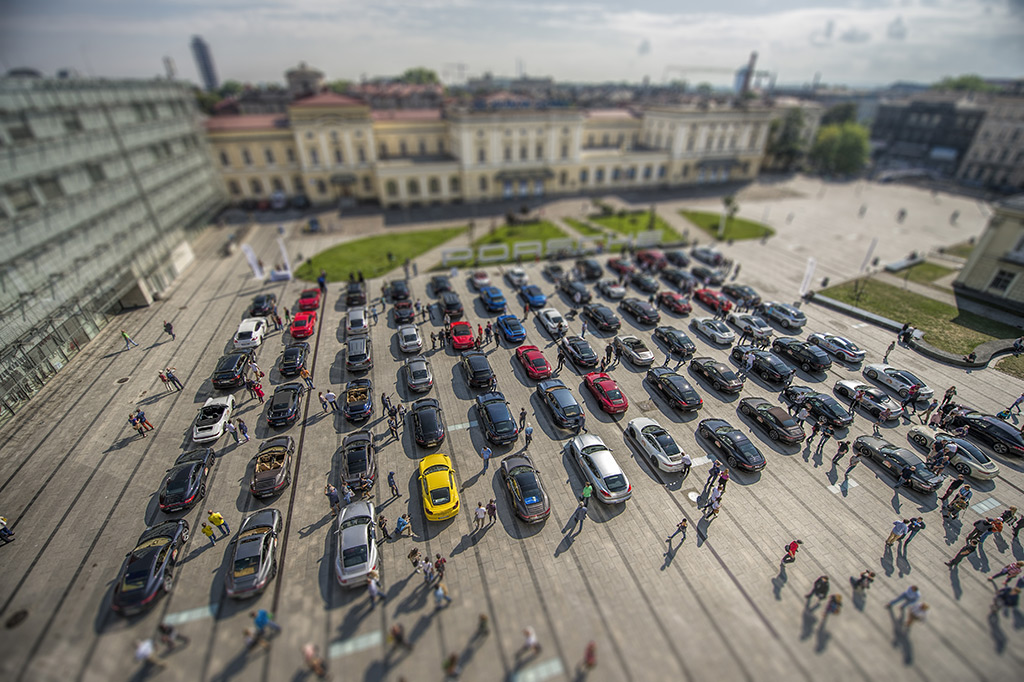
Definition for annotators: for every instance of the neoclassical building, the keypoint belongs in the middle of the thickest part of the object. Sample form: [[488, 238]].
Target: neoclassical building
[[330, 147]]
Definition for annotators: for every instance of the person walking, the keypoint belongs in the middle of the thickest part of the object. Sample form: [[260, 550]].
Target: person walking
[[522, 418], [169, 329], [145, 653], [347, 493], [863, 582], [914, 526], [844, 447], [169, 372], [578, 517], [332, 399], [561, 360], [916, 612], [588, 490], [686, 462], [1011, 571], [133, 420], [232, 429], [1008, 599], [890, 349], [441, 595], [382, 523], [713, 496], [141, 417], [969, 546], [713, 472], [263, 619], [307, 377], [790, 551], [242, 429], [908, 597], [899, 530], [207, 530], [393, 485], [530, 643], [492, 512], [948, 396], [928, 411], [680, 529], [170, 637], [527, 437], [485, 455], [217, 520], [820, 589], [1016, 404], [723, 479], [854, 461], [323, 401], [480, 515], [952, 488], [374, 590], [332, 496], [439, 566], [393, 428], [128, 341], [163, 380], [826, 432]]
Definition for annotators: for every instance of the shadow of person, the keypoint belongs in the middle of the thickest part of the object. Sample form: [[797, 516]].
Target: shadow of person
[[954, 581], [823, 635], [887, 562], [808, 621], [779, 581], [996, 628]]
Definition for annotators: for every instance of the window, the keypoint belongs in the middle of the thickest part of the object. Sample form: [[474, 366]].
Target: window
[[277, 184], [414, 188], [383, 150], [19, 131], [291, 155], [583, 176], [522, 153], [234, 188], [392, 188], [298, 184], [508, 153], [423, 147], [622, 138], [314, 157], [732, 142], [563, 178], [362, 154], [50, 188], [1002, 280], [338, 158], [434, 186], [96, 172], [540, 151], [255, 186], [246, 157], [647, 172], [21, 197], [454, 186], [565, 151], [402, 149], [483, 183], [616, 174], [72, 123], [321, 187], [631, 173], [590, 140], [662, 170], [367, 185], [440, 146], [481, 156], [224, 160], [268, 154], [604, 140], [721, 143], [686, 171], [334, 135], [599, 175]]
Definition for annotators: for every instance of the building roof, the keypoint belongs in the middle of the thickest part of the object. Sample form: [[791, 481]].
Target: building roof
[[406, 115], [221, 124], [1014, 203], [327, 99], [624, 114]]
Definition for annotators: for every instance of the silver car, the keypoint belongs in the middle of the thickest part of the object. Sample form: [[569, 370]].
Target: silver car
[[875, 400], [634, 349], [968, 459], [356, 540], [786, 315], [899, 380], [418, 376], [355, 322], [594, 460], [409, 339], [611, 289], [839, 346], [751, 324], [359, 354], [713, 329]]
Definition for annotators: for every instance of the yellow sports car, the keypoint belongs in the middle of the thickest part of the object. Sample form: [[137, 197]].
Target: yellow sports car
[[437, 486]]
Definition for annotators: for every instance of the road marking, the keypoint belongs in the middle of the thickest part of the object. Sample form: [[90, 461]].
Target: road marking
[[352, 645], [540, 672], [699, 461], [693, 495], [208, 611], [985, 505], [838, 487], [858, 326], [459, 427]]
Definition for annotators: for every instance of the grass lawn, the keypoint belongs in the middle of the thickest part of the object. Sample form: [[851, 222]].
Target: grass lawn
[[925, 273], [509, 234], [370, 254], [944, 326], [634, 223], [583, 228], [963, 249], [1012, 366], [735, 228]]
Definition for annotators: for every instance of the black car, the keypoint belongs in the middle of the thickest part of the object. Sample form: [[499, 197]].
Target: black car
[[807, 356], [232, 371], [477, 368], [149, 568], [641, 311], [894, 459], [676, 340], [579, 351], [525, 490], [602, 317], [675, 389], [566, 412], [263, 305], [404, 312], [571, 289], [185, 482], [742, 293], [399, 290], [677, 258], [721, 377], [358, 398], [358, 461], [680, 279], [495, 418], [253, 554], [451, 305], [819, 405], [427, 420], [293, 359], [773, 420], [285, 405], [707, 275], [767, 365], [553, 271], [739, 452], [589, 268], [1003, 438], [643, 282], [355, 294], [440, 284]]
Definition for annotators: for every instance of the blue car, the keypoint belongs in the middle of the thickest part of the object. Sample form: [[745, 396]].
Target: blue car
[[511, 328], [532, 294], [493, 299]]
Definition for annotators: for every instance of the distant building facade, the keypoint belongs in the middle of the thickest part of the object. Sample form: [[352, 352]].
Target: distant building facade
[[995, 159], [927, 133], [331, 147], [994, 272], [204, 64], [304, 81], [100, 182]]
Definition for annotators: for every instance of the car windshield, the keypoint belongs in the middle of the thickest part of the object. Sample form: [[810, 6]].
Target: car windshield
[[527, 481], [513, 325], [358, 460], [539, 363], [440, 496], [291, 354], [667, 445], [135, 577], [355, 556], [355, 521], [615, 483], [435, 469], [243, 335], [419, 374], [504, 426], [227, 363], [409, 336]]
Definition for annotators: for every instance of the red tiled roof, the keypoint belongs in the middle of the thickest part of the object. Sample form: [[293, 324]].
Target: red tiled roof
[[216, 124], [610, 113], [406, 115], [328, 99]]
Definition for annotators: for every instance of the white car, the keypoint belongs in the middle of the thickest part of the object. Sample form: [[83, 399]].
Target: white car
[[611, 289], [634, 349], [716, 330], [516, 276], [786, 315], [839, 346], [481, 279], [655, 443], [356, 322], [213, 415], [250, 332], [968, 459], [356, 542], [409, 339], [899, 380], [594, 460], [752, 324], [551, 319], [875, 400]]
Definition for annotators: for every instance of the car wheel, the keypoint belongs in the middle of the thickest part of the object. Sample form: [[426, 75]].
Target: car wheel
[[903, 393], [1000, 448], [764, 375], [805, 367], [814, 341], [784, 323], [168, 583], [718, 386], [184, 536], [962, 468], [919, 439], [745, 409], [773, 434], [871, 374], [654, 462], [705, 433], [732, 461], [202, 491]]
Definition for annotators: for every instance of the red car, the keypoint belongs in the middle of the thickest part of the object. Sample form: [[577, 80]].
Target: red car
[[309, 299], [534, 362], [462, 335], [607, 392], [715, 300], [653, 258], [620, 265], [675, 302], [303, 325]]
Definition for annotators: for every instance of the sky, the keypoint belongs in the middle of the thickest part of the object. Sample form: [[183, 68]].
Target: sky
[[847, 42]]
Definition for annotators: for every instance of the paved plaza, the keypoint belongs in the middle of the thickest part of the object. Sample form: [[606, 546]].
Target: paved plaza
[[79, 487]]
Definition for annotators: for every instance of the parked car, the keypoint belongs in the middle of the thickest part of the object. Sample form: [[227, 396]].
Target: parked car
[[409, 340], [766, 365], [493, 300], [148, 569], [654, 259], [607, 393], [773, 420], [621, 265], [839, 346], [303, 324], [718, 374], [602, 317], [437, 487], [611, 289], [185, 482], [553, 271], [533, 361], [250, 333], [403, 312], [739, 452], [440, 284], [589, 268], [359, 461], [263, 305], [358, 400], [551, 320], [531, 294], [874, 400], [675, 389], [451, 305], [398, 289], [212, 418], [253, 562], [893, 460], [359, 354], [579, 351], [741, 293], [355, 294], [708, 255], [293, 359], [477, 369], [676, 340], [751, 324], [232, 370], [640, 310], [480, 279], [285, 405], [635, 350], [309, 299], [356, 542], [708, 275], [418, 377], [992, 432], [714, 330], [967, 458], [714, 300], [655, 444], [495, 418], [462, 335], [525, 488], [819, 405], [804, 355], [677, 258], [511, 328], [898, 380], [680, 279], [576, 292], [675, 302], [272, 467], [787, 316], [516, 276], [566, 412], [595, 462], [356, 323], [643, 282], [427, 419]]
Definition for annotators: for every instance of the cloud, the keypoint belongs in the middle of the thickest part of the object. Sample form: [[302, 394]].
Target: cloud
[[854, 35], [645, 47], [820, 37], [896, 30]]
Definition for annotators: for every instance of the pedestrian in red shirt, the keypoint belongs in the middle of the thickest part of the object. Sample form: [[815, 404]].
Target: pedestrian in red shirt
[[791, 549]]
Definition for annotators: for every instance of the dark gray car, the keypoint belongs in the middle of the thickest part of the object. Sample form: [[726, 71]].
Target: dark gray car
[[253, 554]]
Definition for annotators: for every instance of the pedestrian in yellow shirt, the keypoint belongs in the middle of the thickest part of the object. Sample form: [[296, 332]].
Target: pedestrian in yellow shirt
[[216, 519], [208, 532]]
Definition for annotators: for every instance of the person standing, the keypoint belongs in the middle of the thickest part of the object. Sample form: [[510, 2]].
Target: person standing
[[820, 589], [141, 416], [441, 595], [588, 490], [169, 329], [790, 551], [164, 381], [243, 429], [948, 396], [530, 645], [561, 360], [332, 496], [969, 546], [854, 461], [578, 517], [128, 341], [915, 613], [230, 428], [307, 377], [905, 475], [890, 349], [480, 515], [217, 520], [492, 512], [332, 399], [169, 372], [680, 529], [439, 566], [393, 485], [914, 526], [826, 432], [716, 469], [207, 530], [485, 455], [323, 401], [863, 582], [713, 496], [899, 530], [522, 418], [928, 411], [844, 447], [373, 589], [686, 463]]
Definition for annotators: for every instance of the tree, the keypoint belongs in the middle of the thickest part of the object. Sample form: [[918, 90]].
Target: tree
[[339, 87], [840, 113], [206, 101], [784, 143], [229, 88], [704, 89], [420, 76], [841, 148], [964, 83]]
